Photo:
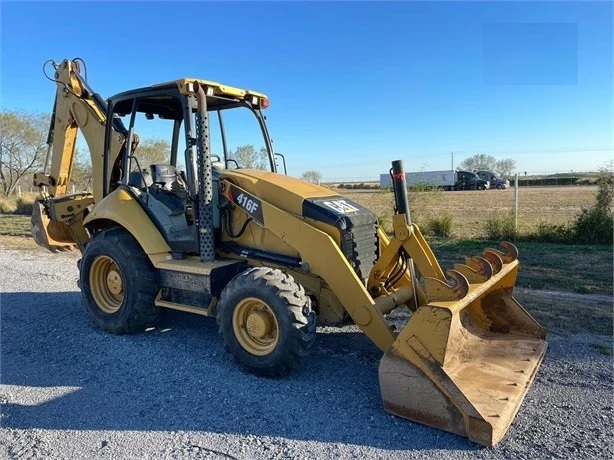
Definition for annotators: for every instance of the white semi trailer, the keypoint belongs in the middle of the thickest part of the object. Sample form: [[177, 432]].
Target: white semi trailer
[[446, 180]]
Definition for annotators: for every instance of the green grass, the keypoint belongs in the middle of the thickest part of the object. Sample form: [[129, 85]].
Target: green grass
[[570, 315], [15, 225], [500, 226], [582, 269], [440, 226], [603, 349], [571, 270]]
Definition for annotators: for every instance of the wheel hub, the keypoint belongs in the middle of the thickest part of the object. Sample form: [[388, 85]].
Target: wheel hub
[[259, 324], [255, 326], [114, 282], [107, 284]]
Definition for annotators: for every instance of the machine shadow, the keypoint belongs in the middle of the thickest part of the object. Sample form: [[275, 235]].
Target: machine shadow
[[178, 377]]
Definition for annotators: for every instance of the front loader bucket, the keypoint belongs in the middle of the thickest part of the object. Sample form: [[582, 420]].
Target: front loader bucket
[[49, 234], [464, 365]]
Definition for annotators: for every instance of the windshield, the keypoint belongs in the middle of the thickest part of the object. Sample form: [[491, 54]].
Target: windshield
[[238, 139]]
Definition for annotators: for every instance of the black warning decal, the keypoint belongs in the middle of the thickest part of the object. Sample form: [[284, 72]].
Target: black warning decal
[[249, 203]]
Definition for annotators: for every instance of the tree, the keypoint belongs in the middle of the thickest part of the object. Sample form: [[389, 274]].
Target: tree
[[248, 157], [312, 176], [489, 163], [505, 167], [479, 161], [81, 173], [148, 152], [23, 146], [151, 152], [605, 193]]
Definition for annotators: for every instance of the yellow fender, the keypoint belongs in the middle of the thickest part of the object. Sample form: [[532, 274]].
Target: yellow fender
[[122, 208]]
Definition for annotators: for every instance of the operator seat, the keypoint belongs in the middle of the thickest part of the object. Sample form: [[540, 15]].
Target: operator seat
[[140, 179]]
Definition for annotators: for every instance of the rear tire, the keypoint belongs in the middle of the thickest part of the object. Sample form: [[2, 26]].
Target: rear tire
[[118, 283], [266, 322]]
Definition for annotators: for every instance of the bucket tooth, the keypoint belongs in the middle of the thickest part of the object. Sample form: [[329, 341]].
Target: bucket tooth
[[510, 254], [495, 260], [476, 269], [480, 264], [437, 290]]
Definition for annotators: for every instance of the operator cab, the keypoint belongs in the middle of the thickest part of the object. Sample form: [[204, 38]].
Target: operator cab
[[179, 142]]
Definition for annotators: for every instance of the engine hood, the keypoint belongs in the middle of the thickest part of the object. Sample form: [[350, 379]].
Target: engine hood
[[284, 192], [301, 198], [355, 226]]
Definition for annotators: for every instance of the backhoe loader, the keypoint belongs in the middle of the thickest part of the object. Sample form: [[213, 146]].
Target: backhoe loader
[[271, 256]]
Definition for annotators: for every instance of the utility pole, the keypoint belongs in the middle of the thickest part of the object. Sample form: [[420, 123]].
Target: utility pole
[[452, 155]]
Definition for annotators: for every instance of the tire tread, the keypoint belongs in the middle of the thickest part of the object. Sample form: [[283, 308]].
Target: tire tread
[[299, 312]]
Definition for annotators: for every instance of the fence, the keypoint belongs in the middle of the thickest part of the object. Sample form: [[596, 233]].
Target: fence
[[525, 179]]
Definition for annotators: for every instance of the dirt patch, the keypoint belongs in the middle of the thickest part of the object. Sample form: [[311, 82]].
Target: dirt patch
[[29, 246], [18, 242]]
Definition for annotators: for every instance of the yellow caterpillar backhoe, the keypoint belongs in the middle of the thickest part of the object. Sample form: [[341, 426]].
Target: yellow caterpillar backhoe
[[271, 256]]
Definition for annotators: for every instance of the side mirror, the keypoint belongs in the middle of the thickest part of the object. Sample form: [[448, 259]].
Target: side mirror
[[283, 159]]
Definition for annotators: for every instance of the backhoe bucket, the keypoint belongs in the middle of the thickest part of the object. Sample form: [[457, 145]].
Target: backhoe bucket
[[49, 234], [465, 365]]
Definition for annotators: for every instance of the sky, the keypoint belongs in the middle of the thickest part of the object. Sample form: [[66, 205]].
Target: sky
[[352, 85]]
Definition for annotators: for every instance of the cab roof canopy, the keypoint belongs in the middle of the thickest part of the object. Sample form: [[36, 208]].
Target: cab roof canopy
[[161, 99]]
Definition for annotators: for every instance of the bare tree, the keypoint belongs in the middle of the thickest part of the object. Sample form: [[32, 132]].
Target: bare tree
[[81, 172], [248, 157], [23, 145], [312, 176], [505, 167], [148, 152], [152, 151], [489, 163], [479, 161]]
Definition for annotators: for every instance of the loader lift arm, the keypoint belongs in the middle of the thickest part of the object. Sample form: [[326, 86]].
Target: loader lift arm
[[469, 353]]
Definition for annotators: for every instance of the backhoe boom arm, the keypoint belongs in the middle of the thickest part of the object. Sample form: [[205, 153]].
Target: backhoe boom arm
[[76, 107], [57, 218]]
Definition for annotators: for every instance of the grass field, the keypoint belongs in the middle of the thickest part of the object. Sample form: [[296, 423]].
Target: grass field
[[469, 209], [15, 225], [544, 267], [574, 268]]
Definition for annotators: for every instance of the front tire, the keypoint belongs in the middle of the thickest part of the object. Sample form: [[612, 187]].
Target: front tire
[[266, 322], [118, 283]]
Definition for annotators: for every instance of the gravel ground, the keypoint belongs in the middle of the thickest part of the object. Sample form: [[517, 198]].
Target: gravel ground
[[68, 390]]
